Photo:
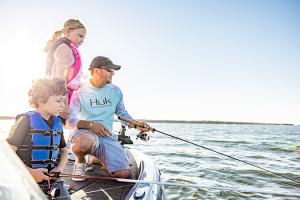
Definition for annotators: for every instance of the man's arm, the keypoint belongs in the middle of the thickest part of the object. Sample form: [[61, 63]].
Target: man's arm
[[121, 111], [75, 123], [97, 128]]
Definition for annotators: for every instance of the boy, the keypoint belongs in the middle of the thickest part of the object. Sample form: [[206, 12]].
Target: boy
[[37, 136]]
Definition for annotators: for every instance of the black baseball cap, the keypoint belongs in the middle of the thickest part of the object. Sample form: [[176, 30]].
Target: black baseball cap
[[103, 62]]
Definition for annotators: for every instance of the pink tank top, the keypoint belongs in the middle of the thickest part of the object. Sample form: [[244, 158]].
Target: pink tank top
[[74, 73]]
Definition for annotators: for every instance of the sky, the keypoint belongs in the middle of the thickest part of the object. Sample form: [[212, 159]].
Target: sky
[[221, 60]]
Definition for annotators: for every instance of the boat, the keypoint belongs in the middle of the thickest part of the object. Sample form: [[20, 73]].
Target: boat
[[97, 186], [144, 185], [17, 182]]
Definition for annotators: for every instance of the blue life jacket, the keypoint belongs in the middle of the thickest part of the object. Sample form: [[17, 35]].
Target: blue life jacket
[[45, 141]]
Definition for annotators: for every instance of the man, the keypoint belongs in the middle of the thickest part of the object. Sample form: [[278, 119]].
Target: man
[[93, 108]]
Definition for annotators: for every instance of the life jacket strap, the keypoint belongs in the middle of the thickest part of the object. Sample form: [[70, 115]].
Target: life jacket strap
[[49, 148], [45, 132], [44, 162]]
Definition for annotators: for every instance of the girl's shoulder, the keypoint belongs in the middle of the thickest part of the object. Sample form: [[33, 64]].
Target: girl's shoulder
[[58, 43], [63, 48]]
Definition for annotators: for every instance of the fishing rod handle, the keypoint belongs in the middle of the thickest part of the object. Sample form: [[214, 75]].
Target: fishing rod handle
[[125, 120], [54, 174], [134, 122]]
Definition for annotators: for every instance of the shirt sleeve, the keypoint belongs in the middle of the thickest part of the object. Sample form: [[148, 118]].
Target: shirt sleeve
[[121, 111], [18, 131], [74, 110]]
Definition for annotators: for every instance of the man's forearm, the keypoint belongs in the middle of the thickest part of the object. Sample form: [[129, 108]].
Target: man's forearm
[[84, 124]]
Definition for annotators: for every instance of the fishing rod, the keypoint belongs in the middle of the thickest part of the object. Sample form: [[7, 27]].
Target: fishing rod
[[122, 180], [155, 130]]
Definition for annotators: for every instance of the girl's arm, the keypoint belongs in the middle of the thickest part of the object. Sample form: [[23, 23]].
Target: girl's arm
[[64, 58]]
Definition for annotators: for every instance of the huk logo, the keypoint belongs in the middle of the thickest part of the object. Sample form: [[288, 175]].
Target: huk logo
[[100, 103]]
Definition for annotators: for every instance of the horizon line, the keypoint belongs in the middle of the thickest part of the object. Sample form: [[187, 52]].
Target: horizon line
[[191, 121]]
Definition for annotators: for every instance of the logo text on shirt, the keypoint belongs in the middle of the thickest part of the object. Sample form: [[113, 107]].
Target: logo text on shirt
[[95, 103]]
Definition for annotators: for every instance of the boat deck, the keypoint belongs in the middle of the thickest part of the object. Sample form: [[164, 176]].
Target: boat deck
[[99, 189]]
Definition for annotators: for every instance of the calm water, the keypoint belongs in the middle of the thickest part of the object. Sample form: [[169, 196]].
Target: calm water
[[276, 148]]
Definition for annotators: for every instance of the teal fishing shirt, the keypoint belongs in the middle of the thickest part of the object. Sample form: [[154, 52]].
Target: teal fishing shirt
[[97, 104]]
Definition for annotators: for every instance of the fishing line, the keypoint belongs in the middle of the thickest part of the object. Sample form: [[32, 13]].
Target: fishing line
[[122, 180], [155, 130]]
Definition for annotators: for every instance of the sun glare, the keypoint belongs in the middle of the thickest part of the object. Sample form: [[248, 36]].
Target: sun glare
[[22, 61]]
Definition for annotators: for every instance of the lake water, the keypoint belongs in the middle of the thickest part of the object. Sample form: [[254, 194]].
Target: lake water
[[276, 148]]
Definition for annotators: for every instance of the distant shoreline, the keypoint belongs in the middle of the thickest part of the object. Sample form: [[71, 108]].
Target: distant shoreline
[[213, 122], [189, 121], [6, 117]]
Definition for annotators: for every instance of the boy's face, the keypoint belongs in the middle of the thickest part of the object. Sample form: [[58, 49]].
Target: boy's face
[[54, 105]]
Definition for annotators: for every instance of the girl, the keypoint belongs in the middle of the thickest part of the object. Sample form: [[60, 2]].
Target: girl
[[63, 58]]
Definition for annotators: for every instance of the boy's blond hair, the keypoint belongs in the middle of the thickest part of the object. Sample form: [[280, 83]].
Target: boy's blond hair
[[42, 89]]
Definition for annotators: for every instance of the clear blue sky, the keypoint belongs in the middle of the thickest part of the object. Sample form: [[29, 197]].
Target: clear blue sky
[[191, 60]]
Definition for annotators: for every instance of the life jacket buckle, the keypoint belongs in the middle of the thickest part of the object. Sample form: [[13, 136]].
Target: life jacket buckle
[[52, 160], [48, 133], [54, 132], [54, 148]]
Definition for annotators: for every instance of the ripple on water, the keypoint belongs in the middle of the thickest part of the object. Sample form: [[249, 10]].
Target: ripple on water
[[273, 147]]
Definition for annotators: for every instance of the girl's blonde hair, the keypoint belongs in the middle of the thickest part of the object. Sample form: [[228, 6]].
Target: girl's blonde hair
[[42, 89], [68, 25]]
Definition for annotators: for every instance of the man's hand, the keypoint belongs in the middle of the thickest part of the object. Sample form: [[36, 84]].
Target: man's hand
[[99, 129], [140, 126], [39, 174]]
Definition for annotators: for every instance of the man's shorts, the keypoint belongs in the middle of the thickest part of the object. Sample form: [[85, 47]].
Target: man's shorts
[[108, 150]]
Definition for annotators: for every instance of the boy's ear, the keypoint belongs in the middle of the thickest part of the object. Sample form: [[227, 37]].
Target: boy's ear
[[40, 101]]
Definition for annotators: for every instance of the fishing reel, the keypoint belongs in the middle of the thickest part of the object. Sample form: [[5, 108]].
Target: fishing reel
[[124, 139], [143, 136]]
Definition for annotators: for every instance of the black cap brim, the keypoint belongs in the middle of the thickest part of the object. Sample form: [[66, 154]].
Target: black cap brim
[[112, 66]]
